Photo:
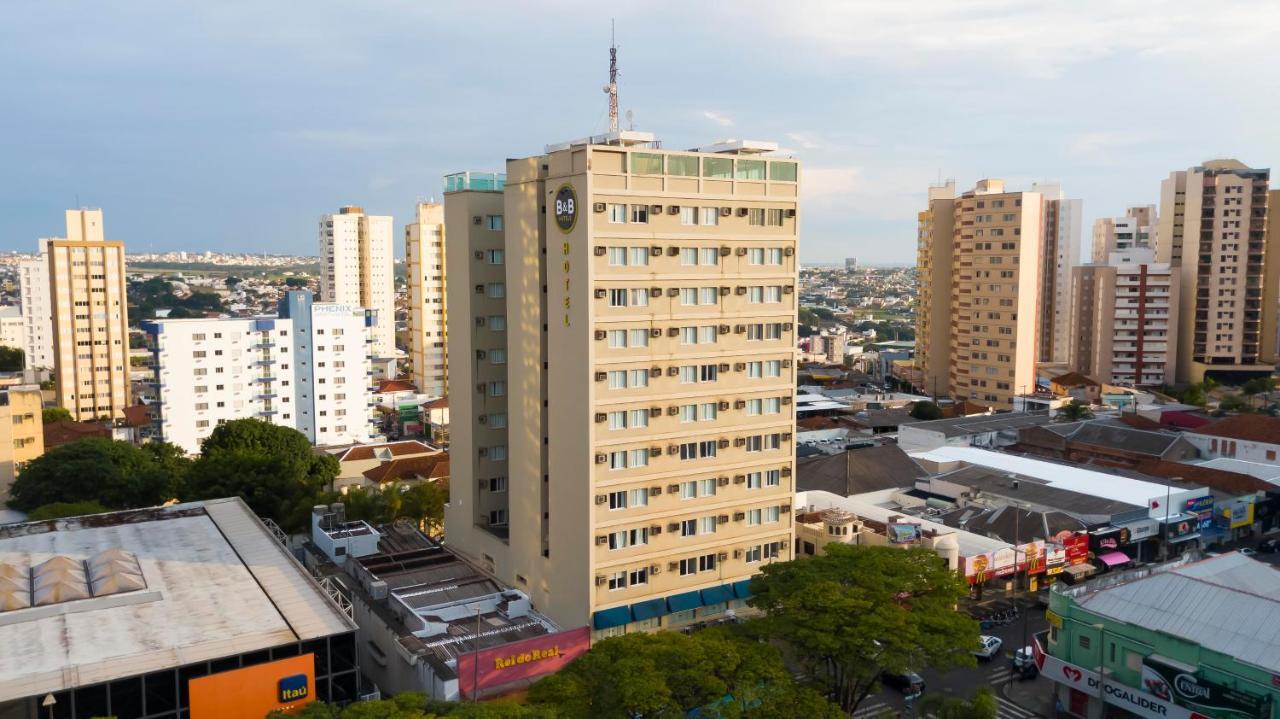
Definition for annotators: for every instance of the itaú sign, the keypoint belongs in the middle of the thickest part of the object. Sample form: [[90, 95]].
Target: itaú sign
[[1112, 692]]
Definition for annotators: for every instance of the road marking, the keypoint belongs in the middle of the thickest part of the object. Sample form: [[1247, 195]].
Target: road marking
[[1008, 710], [870, 710], [1001, 674]]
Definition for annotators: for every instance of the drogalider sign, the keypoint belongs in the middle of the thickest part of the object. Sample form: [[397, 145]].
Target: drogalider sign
[[1186, 689]]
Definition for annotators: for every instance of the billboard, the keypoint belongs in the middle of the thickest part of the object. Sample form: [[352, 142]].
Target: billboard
[[1077, 548], [253, 692], [1032, 555], [1193, 692], [903, 533], [520, 661], [1202, 507], [977, 567]]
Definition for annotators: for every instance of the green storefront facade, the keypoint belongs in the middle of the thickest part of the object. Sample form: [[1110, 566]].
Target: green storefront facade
[[1215, 652]]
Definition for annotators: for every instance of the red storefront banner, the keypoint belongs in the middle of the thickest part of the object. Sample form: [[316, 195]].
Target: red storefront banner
[[1077, 548], [520, 661]]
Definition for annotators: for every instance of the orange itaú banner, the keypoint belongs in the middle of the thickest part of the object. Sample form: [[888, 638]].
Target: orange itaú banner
[[253, 692]]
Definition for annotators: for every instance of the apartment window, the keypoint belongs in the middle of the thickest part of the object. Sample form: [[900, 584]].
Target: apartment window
[[689, 256], [617, 420], [755, 295], [497, 484], [710, 215], [202, 406], [707, 562], [638, 338], [498, 453], [755, 407], [782, 171], [199, 354], [197, 337], [495, 290], [618, 460], [618, 256], [706, 411], [639, 256], [617, 580], [717, 168], [688, 335], [638, 457], [688, 215], [773, 256], [708, 256], [497, 356], [773, 478], [640, 214], [496, 323], [689, 528], [753, 554], [772, 405], [495, 257], [617, 213], [497, 389], [646, 163], [707, 525], [618, 298], [638, 378], [617, 379], [773, 330], [755, 332], [689, 490], [755, 216], [707, 334], [638, 497], [772, 514], [708, 296], [753, 517], [629, 538], [617, 500], [638, 576], [617, 339], [638, 418], [773, 293], [688, 296], [682, 165], [497, 517], [755, 256], [774, 218], [493, 222], [498, 420]]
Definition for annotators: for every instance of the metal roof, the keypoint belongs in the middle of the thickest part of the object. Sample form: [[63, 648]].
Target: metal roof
[[964, 426], [1226, 604]]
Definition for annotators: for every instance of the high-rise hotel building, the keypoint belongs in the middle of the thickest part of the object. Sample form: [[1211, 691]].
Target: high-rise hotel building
[[621, 329], [357, 266], [982, 306], [424, 258], [1214, 230], [90, 318]]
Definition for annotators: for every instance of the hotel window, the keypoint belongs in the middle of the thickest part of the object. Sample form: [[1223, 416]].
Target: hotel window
[[773, 478], [618, 256], [617, 339], [638, 338], [717, 168], [688, 335], [772, 550], [707, 334], [688, 215], [773, 256], [773, 293], [646, 163], [495, 257], [755, 216], [497, 517], [707, 562], [689, 374], [617, 213], [638, 458], [495, 290], [709, 295], [753, 554], [775, 218], [498, 453], [689, 528], [688, 296], [753, 517], [710, 216], [706, 411], [497, 389], [617, 379], [617, 420], [638, 497], [749, 170], [707, 525], [682, 165], [618, 298], [638, 576], [498, 356], [493, 222], [755, 295], [629, 538], [618, 460], [772, 405], [639, 256], [755, 480], [497, 484], [689, 256], [638, 378], [638, 418], [773, 330], [782, 171], [617, 500], [708, 256], [755, 407], [772, 514], [640, 214], [617, 580], [689, 490], [756, 256], [498, 420]]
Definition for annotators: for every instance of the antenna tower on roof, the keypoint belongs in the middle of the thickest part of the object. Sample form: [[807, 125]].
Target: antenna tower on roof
[[612, 87]]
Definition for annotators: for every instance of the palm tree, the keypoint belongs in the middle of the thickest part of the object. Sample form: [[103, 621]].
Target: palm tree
[[1074, 411]]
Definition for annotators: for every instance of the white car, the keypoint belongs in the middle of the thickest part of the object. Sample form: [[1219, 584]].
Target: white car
[[988, 647], [1247, 552]]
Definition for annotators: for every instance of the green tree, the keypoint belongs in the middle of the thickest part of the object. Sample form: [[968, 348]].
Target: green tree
[[58, 510], [982, 705], [424, 503], [925, 410], [1074, 411], [296, 283], [858, 611], [115, 474], [11, 359], [55, 414], [272, 468]]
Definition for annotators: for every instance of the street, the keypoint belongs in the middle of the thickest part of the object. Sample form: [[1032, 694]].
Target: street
[[995, 673]]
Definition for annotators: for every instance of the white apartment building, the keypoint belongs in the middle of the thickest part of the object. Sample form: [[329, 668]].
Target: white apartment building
[[424, 272], [37, 314], [13, 333], [357, 268], [308, 368], [1062, 222], [1136, 230]]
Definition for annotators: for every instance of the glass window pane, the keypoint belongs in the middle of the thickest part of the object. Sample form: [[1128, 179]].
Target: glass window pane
[[646, 163], [162, 692], [684, 165], [717, 167], [92, 701], [126, 698], [750, 170], [782, 171]]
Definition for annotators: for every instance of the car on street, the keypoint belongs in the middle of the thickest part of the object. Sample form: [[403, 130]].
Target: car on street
[[988, 647], [1246, 551], [1270, 546], [909, 683]]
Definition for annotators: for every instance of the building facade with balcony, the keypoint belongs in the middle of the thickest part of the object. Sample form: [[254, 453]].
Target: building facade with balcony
[[307, 368]]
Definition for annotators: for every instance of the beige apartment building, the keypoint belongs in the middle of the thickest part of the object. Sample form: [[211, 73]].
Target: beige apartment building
[[357, 267], [622, 376], [1135, 231], [21, 432], [1213, 229], [1060, 253], [90, 318], [424, 260], [981, 281], [1125, 320]]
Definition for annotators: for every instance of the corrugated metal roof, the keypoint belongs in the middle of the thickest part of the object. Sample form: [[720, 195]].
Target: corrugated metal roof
[[1224, 603]]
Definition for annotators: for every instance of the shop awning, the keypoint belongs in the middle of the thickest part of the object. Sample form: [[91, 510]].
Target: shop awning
[[715, 595], [649, 610], [742, 589], [684, 602], [1114, 559], [609, 618], [1080, 570]]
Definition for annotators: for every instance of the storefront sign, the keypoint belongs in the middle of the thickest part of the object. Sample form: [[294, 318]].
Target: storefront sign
[[1077, 548], [1189, 690], [1202, 507], [1142, 529], [977, 568], [291, 689], [1032, 555], [1235, 515], [1108, 540], [520, 661], [1003, 562], [255, 691], [1053, 618], [1181, 528], [1089, 683], [903, 533]]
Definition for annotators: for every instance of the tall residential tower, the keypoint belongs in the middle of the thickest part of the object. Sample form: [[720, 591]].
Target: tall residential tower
[[622, 333], [90, 318], [424, 271], [357, 268]]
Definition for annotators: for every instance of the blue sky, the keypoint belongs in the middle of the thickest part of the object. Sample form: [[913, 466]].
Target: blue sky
[[233, 125]]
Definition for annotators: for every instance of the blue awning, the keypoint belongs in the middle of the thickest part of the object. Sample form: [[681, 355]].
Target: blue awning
[[649, 609], [684, 602], [609, 618], [742, 589], [715, 595]]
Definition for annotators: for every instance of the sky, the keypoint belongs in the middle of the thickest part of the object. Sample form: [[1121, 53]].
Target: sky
[[232, 125]]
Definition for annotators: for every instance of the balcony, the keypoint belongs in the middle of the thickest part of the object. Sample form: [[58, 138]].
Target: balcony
[[264, 344]]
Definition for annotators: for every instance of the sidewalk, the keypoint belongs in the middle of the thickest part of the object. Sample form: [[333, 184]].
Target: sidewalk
[[1036, 696]]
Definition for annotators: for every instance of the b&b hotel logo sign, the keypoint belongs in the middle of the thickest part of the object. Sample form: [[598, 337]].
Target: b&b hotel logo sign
[[566, 208]]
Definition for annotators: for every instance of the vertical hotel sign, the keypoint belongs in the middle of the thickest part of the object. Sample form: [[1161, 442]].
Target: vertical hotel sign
[[566, 215]]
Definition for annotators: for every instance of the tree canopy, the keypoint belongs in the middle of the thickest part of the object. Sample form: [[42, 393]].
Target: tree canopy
[[421, 502], [115, 474], [926, 410], [49, 415], [982, 705], [272, 468], [413, 705], [1074, 411], [668, 674], [58, 510], [11, 359], [857, 611]]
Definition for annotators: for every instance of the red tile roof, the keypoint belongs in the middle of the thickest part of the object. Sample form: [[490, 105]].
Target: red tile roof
[[1137, 421], [137, 415], [442, 403], [1075, 379], [398, 449], [57, 434], [1183, 420], [1219, 479], [1249, 427], [435, 466], [396, 385]]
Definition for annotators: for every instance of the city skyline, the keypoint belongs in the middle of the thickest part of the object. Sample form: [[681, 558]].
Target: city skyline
[[180, 113]]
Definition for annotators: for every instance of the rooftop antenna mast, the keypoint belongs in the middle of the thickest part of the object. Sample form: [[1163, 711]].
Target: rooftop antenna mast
[[612, 87]]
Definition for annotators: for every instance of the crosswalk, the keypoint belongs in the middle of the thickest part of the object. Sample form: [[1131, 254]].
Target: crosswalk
[[867, 711], [1000, 675], [1005, 709]]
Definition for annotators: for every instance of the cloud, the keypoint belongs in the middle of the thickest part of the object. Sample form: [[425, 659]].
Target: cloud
[[718, 118], [1107, 147], [804, 141]]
